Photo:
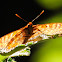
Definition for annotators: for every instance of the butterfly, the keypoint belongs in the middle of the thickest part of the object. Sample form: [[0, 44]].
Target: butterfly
[[28, 33]]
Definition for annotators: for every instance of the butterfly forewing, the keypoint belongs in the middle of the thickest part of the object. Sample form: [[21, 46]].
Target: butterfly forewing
[[50, 29], [44, 30], [14, 39]]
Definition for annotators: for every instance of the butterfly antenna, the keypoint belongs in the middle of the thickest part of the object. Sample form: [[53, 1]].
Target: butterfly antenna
[[38, 15], [20, 17]]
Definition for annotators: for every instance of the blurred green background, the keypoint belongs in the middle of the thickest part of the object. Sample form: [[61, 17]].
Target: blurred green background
[[50, 4], [49, 50]]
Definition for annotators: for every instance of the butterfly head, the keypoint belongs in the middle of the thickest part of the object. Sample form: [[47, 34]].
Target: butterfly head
[[29, 25]]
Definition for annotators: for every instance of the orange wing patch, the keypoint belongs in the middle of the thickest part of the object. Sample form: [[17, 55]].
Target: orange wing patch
[[6, 39]]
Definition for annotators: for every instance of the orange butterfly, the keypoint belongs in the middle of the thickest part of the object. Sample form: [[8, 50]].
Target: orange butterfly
[[28, 33]]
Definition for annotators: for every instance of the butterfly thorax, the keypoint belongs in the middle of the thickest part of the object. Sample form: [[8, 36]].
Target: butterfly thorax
[[28, 31]]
